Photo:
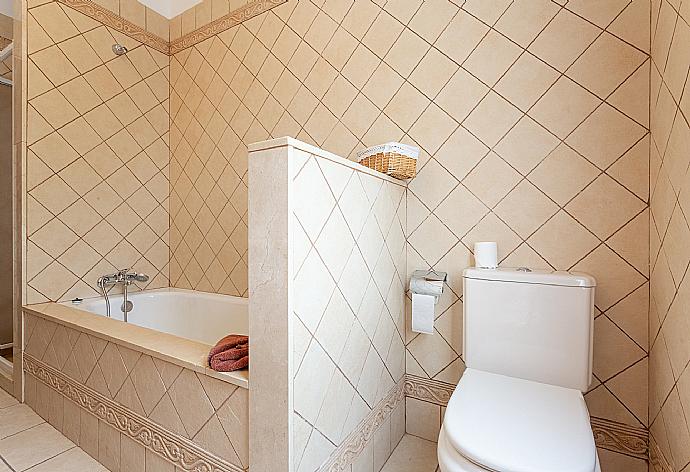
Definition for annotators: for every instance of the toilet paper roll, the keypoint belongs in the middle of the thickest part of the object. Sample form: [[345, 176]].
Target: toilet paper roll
[[423, 313], [423, 286], [486, 255]]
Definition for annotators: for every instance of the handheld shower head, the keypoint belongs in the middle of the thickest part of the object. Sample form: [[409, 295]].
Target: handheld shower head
[[141, 278]]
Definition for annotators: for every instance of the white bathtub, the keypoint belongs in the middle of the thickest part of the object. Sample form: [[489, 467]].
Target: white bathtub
[[199, 316]]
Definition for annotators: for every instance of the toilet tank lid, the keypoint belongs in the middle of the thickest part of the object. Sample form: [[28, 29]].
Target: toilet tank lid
[[532, 276]]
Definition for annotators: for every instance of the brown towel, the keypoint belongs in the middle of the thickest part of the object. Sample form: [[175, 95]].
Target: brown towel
[[230, 353]]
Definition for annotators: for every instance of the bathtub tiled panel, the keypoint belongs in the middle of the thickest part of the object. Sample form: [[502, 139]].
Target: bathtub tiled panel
[[504, 98], [98, 156], [210, 412], [349, 266], [669, 375]]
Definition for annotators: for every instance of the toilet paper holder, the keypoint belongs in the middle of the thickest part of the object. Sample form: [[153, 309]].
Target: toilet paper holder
[[425, 282]]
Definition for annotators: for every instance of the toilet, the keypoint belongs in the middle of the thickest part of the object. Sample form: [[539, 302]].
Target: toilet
[[528, 350]]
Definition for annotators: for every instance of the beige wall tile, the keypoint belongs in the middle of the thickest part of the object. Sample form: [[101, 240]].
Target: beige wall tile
[[670, 348], [423, 419], [154, 463], [72, 425], [88, 434], [83, 122], [108, 446]]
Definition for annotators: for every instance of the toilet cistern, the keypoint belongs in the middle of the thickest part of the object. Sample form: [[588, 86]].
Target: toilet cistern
[[527, 347]]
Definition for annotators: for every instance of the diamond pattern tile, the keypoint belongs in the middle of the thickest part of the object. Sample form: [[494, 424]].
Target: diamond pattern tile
[[177, 398], [348, 289], [513, 116], [669, 395], [80, 173]]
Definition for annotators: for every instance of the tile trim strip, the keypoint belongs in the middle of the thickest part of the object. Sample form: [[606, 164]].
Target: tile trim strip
[[353, 446], [432, 391], [616, 437], [223, 23], [116, 22], [622, 438], [176, 450]]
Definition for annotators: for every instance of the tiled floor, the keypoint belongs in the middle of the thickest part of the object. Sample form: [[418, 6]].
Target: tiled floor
[[27, 443], [412, 454]]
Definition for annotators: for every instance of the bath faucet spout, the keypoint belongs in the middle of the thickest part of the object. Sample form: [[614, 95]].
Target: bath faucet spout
[[122, 277]]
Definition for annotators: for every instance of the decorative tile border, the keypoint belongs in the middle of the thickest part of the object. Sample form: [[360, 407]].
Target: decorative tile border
[[619, 437], [354, 444], [179, 451], [432, 391], [234, 18], [116, 22], [616, 437]]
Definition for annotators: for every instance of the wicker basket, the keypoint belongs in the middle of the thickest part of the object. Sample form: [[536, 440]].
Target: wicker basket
[[394, 159]]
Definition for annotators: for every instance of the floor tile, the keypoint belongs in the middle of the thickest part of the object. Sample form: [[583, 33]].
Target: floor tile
[[70, 461], [413, 454], [33, 446], [17, 418], [6, 399]]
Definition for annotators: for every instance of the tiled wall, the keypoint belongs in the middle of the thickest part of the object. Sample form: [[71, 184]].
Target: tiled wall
[[349, 285], [97, 158], [532, 118], [504, 98], [203, 14], [669, 374], [211, 413], [136, 13], [549, 159], [208, 198]]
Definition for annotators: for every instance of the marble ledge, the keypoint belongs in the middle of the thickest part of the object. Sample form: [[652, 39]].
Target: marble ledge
[[174, 349], [297, 144]]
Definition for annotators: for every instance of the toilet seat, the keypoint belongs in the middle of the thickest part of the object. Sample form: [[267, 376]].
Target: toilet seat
[[500, 423], [449, 460]]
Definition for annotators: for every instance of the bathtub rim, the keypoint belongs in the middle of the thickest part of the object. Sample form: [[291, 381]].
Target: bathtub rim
[[240, 300], [168, 347]]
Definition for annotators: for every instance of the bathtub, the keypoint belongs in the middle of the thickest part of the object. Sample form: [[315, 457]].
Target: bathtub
[[85, 373], [198, 316]]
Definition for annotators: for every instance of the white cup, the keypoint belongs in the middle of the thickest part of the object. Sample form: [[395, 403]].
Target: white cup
[[486, 255]]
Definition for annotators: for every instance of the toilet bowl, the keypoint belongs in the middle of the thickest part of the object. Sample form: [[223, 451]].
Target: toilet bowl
[[450, 460], [499, 423], [527, 345]]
